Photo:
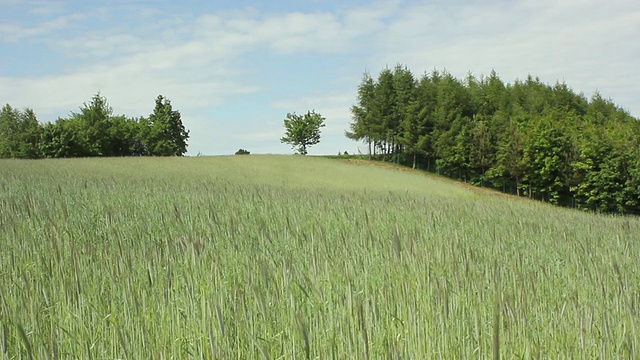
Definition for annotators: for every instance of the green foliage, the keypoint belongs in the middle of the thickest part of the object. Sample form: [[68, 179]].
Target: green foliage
[[528, 134], [168, 136], [62, 139], [20, 133], [363, 113], [94, 120], [242, 152], [180, 258], [93, 131], [302, 131]]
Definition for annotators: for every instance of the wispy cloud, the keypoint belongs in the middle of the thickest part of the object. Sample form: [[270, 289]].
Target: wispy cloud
[[14, 32]]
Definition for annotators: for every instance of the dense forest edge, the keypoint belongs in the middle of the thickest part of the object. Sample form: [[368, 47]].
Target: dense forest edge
[[527, 138], [93, 131]]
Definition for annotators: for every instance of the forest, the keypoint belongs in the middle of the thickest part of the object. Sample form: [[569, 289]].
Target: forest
[[527, 138], [93, 131]]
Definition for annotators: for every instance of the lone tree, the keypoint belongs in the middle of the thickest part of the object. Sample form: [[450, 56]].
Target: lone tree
[[303, 130]]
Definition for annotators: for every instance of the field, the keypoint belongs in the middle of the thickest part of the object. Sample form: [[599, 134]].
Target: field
[[290, 257]]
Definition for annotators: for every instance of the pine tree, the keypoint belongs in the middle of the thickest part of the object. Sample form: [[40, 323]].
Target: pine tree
[[363, 113]]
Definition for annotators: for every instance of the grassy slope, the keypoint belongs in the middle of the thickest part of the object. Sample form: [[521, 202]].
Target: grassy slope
[[270, 256]]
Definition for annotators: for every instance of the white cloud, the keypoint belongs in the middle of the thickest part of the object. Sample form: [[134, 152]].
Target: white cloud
[[14, 32], [242, 61], [588, 44]]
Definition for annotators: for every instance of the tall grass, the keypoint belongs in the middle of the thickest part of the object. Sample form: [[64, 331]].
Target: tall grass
[[289, 257]]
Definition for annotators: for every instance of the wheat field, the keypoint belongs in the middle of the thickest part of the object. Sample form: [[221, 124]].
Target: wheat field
[[291, 257]]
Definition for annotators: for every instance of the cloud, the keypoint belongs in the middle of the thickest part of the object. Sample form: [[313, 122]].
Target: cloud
[[195, 60], [588, 44], [14, 32], [235, 73]]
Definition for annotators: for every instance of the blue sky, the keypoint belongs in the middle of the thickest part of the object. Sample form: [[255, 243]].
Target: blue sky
[[234, 69]]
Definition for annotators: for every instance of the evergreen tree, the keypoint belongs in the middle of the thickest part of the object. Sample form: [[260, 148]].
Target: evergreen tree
[[423, 110], [363, 114], [404, 118], [386, 124], [482, 147], [544, 138], [510, 163]]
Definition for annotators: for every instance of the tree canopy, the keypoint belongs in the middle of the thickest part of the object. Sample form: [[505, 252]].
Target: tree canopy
[[529, 138], [93, 131], [20, 133], [302, 131]]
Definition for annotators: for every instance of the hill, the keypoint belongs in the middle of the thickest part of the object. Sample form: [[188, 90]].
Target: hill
[[290, 256]]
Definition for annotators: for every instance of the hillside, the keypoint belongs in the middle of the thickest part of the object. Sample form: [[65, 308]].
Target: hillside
[[301, 257]]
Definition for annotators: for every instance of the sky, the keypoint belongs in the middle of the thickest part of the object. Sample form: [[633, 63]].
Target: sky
[[234, 69]]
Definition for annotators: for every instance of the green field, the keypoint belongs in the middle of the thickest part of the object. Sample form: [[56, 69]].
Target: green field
[[283, 257]]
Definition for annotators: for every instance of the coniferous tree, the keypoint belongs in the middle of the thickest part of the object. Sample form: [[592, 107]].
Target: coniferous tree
[[404, 120], [363, 113], [546, 139], [385, 123], [510, 163], [482, 147]]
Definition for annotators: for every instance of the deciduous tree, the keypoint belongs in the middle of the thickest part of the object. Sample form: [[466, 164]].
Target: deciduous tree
[[302, 131], [168, 136]]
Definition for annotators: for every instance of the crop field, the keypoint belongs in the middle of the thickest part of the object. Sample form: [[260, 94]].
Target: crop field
[[290, 257]]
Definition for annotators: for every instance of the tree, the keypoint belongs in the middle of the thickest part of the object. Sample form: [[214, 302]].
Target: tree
[[547, 138], [482, 149], [167, 137], [243, 152], [302, 130], [19, 133], [363, 113], [386, 124], [406, 113], [93, 121], [62, 139], [9, 132], [510, 162]]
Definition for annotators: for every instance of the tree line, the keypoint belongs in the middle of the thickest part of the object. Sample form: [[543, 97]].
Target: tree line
[[529, 138], [93, 131]]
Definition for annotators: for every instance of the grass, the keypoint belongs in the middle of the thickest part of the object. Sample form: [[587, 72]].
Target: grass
[[288, 257]]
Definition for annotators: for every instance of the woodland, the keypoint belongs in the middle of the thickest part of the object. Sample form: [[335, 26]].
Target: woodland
[[527, 137]]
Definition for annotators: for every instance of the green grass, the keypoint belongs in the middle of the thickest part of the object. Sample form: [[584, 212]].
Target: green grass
[[309, 258]]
